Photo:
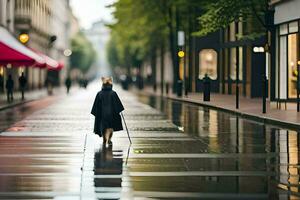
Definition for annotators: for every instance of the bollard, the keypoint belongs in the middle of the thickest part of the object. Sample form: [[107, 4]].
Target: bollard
[[206, 88]]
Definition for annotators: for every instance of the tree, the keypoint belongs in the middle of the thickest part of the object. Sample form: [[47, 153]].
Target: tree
[[145, 27], [219, 14], [83, 55]]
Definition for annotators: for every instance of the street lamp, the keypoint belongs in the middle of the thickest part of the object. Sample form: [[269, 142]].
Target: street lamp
[[181, 67], [24, 38], [181, 54], [264, 79], [68, 52]]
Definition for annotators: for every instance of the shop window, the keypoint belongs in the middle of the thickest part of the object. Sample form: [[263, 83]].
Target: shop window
[[283, 68], [283, 29], [208, 60], [292, 65], [233, 63], [293, 27]]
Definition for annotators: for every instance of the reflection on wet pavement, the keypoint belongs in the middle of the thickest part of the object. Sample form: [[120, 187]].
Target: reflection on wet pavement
[[228, 154], [179, 151]]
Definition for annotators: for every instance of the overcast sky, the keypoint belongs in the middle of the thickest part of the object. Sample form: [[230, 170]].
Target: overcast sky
[[89, 11]]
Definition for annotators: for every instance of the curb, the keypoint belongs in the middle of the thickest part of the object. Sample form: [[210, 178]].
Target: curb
[[257, 118], [15, 104]]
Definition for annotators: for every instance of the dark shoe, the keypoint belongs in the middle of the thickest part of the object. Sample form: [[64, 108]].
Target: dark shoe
[[110, 142]]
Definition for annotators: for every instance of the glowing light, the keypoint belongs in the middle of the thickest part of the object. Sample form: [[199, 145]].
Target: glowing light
[[209, 57], [258, 49], [24, 38], [67, 52], [292, 64], [181, 54]]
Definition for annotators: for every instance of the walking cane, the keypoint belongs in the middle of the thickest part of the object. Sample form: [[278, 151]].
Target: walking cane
[[126, 128]]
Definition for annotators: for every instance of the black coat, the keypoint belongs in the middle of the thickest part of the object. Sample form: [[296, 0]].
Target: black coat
[[106, 109]]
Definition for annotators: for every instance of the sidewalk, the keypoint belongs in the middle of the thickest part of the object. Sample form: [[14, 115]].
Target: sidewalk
[[29, 96], [251, 108]]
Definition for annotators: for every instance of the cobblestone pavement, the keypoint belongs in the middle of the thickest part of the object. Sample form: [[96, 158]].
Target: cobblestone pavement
[[183, 152]]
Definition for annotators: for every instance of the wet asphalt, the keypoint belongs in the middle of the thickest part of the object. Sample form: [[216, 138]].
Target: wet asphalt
[[179, 151]]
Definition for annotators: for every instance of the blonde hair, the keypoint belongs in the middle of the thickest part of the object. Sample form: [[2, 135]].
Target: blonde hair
[[107, 80]]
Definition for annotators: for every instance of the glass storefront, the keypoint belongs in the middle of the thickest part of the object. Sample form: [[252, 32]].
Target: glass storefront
[[208, 60], [288, 56], [229, 59]]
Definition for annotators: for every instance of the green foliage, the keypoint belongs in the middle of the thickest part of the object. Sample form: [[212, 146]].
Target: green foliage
[[220, 13], [83, 55], [112, 53], [139, 26]]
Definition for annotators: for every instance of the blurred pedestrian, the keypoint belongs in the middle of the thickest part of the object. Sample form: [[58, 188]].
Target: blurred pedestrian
[[22, 84], [68, 84], [85, 83], [49, 85], [10, 88], [106, 109]]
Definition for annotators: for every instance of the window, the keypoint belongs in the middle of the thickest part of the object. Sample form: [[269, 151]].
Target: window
[[293, 27], [288, 57], [292, 65], [283, 67], [233, 62], [208, 59], [283, 29]]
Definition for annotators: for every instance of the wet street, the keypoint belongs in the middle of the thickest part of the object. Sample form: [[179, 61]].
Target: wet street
[[179, 151]]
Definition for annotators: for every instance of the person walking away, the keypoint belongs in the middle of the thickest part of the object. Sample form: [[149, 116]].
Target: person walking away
[[106, 109], [49, 85], [22, 84], [9, 88], [68, 84]]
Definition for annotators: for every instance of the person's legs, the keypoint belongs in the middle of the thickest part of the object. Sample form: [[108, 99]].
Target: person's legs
[[106, 136], [22, 90], [8, 98], [110, 135]]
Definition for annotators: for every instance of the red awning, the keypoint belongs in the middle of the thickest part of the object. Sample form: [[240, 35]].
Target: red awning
[[61, 65], [50, 63], [58, 68], [13, 52]]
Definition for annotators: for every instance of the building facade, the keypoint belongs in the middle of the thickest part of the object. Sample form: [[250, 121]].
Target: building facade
[[7, 22], [33, 18], [60, 25], [47, 24], [287, 24], [227, 60]]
